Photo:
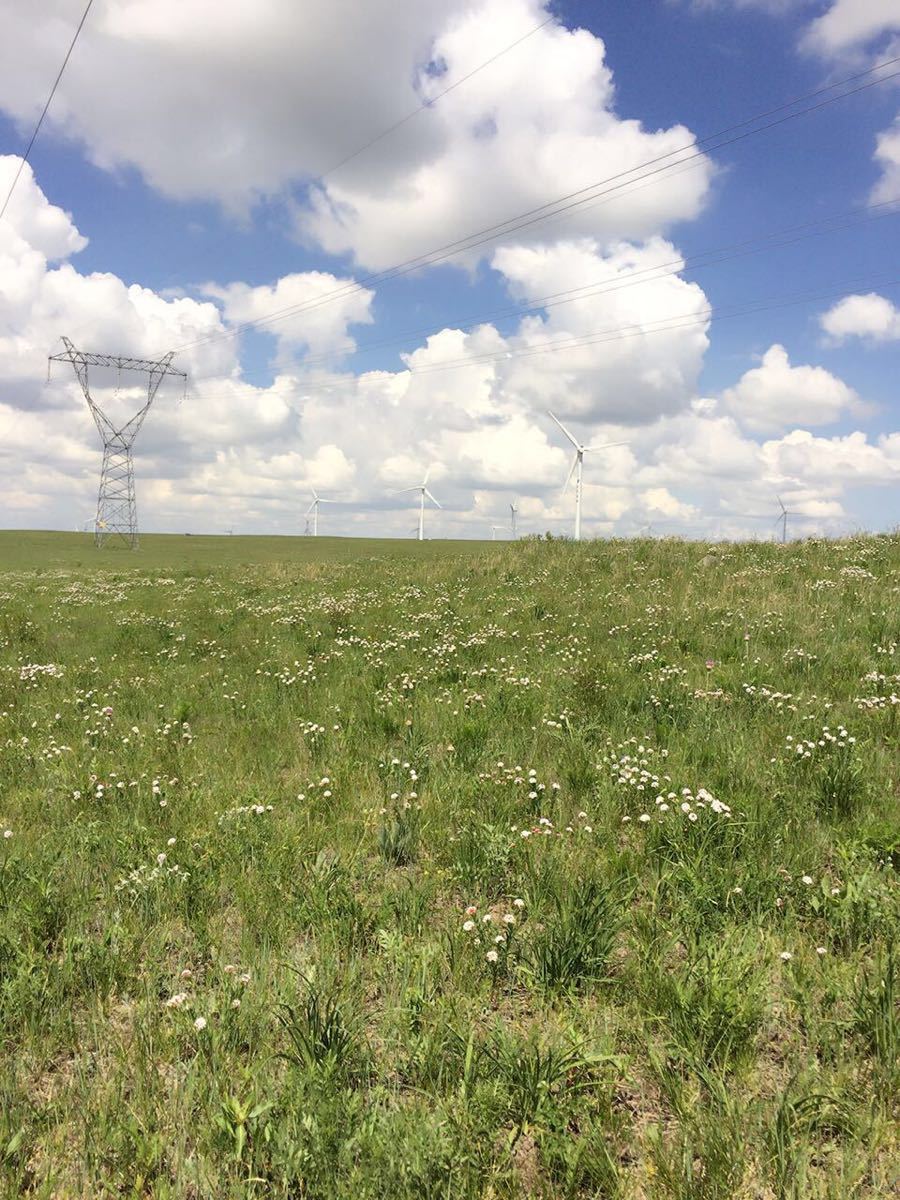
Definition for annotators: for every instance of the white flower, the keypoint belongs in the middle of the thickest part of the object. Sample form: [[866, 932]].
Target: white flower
[[785, 956], [487, 918], [820, 950], [468, 926], [177, 1000], [807, 879], [492, 956], [644, 818], [517, 903], [7, 833], [235, 1003], [509, 919], [200, 1023]]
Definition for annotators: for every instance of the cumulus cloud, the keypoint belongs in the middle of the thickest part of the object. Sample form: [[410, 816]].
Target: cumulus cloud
[[239, 86], [299, 323], [853, 25], [871, 316], [777, 395], [887, 156]]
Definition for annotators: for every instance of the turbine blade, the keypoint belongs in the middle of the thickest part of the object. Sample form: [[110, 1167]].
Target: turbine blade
[[400, 491], [425, 480], [605, 445], [563, 428], [309, 510], [571, 472], [431, 498]]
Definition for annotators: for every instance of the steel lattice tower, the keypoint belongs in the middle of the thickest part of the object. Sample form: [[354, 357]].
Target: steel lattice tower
[[116, 508]]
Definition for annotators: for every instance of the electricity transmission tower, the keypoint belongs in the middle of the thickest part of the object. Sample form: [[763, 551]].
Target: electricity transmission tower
[[116, 508]]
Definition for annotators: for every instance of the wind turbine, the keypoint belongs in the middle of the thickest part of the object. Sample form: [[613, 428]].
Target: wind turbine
[[513, 514], [495, 529], [314, 509], [785, 513], [577, 468], [422, 489]]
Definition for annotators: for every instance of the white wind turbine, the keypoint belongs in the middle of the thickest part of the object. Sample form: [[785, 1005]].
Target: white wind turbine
[[495, 529], [422, 489], [513, 518], [785, 513], [314, 509], [577, 468]]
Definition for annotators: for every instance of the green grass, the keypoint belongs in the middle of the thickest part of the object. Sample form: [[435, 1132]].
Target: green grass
[[353, 869], [43, 550]]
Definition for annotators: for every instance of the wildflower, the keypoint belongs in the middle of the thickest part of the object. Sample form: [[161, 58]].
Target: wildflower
[[644, 818], [517, 903], [7, 834], [468, 926], [245, 978], [200, 1023], [230, 969], [710, 663], [160, 858], [492, 956], [820, 950], [170, 842], [177, 1000], [235, 1003], [187, 973], [525, 833], [487, 918], [509, 919], [785, 956], [807, 879], [471, 910]]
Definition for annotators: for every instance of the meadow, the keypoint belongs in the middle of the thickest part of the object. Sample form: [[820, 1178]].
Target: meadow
[[388, 871]]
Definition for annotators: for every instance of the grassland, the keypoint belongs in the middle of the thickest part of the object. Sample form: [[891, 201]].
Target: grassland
[[524, 870]]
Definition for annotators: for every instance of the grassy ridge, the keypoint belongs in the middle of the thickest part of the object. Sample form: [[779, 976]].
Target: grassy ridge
[[558, 871], [22, 550]]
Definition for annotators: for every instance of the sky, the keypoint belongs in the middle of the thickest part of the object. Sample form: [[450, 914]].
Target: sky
[[349, 222]]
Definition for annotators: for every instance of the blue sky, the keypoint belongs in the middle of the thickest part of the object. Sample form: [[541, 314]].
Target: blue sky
[[176, 224]]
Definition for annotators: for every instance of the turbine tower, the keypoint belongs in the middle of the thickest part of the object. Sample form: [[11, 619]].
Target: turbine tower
[[577, 468], [314, 509], [116, 507], [422, 489], [513, 515]]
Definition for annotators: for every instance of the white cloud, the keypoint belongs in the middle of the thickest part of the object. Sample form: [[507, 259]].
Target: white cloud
[[262, 102], [321, 329], [850, 25], [776, 395], [887, 156], [870, 316]]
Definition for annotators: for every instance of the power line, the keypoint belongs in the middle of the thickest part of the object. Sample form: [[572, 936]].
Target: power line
[[434, 99], [617, 333], [570, 200], [37, 127], [836, 223]]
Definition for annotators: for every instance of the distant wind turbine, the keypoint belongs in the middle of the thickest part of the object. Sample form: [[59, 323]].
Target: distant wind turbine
[[495, 529], [513, 515], [577, 468], [422, 489], [314, 509], [785, 513]]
